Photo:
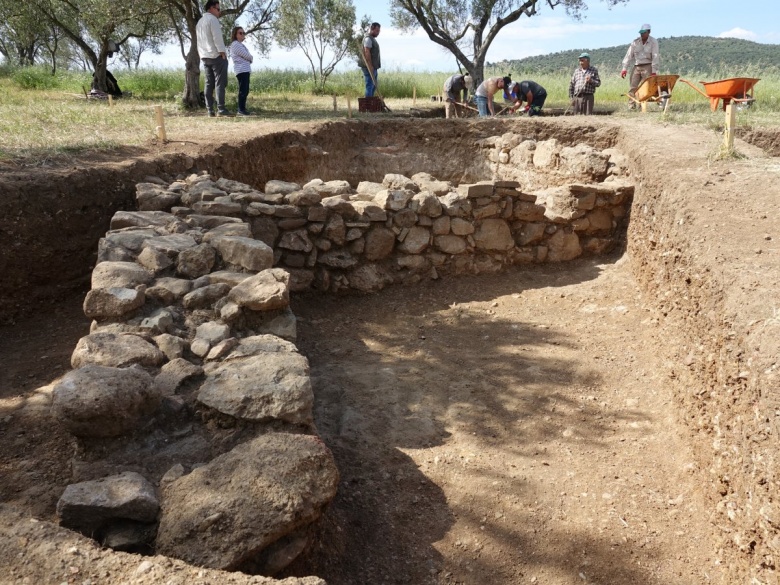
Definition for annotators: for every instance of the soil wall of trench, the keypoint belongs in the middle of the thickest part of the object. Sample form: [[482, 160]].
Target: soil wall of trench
[[721, 358]]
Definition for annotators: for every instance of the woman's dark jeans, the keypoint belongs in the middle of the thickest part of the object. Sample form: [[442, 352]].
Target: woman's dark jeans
[[243, 90]]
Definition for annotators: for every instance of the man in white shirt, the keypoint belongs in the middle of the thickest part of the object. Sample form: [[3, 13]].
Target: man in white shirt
[[212, 51], [643, 55]]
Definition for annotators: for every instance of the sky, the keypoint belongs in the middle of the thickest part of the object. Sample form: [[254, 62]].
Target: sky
[[550, 31]]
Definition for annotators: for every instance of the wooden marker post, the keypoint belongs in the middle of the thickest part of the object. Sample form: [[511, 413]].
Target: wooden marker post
[[349, 106], [728, 135], [334, 102], [414, 95], [110, 101], [158, 112]]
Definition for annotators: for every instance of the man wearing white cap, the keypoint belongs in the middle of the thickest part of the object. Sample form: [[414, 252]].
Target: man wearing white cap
[[644, 57]]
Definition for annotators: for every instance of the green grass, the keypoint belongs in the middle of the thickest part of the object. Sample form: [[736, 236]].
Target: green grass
[[43, 116]]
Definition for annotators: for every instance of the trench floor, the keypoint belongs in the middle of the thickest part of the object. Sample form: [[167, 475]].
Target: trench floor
[[501, 429]]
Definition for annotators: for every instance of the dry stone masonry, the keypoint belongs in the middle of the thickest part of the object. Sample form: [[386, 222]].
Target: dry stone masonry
[[190, 401]]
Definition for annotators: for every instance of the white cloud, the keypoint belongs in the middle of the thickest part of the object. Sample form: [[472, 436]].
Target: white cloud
[[739, 33]]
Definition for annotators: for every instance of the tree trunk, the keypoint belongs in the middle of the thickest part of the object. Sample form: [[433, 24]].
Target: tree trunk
[[477, 70], [191, 97], [99, 78]]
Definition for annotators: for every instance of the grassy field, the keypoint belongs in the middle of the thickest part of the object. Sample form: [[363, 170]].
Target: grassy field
[[43, 116]]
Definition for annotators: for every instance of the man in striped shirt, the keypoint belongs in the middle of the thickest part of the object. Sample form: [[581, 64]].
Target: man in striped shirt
[[583, 85], [643, 54]]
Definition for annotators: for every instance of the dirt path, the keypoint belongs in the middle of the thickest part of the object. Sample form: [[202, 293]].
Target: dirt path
[[506, 429]]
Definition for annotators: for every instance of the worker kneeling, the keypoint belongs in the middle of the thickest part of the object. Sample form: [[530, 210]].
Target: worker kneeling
[[530, 91]]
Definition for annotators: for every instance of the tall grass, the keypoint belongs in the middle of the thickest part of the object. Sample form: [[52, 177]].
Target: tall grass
[[153, 84], [43, 115]]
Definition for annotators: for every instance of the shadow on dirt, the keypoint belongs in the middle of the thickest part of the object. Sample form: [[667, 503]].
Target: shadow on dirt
[[400, 372]]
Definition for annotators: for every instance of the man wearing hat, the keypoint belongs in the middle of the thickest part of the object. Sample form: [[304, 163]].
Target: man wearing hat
[[583, 85], [455, 87], [643, 55]]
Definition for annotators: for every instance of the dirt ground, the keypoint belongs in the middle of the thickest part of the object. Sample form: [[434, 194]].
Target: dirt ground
[[513, 428]]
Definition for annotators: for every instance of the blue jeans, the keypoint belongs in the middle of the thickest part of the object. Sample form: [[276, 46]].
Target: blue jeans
[[370, 86], [482, 106], [243, 90], [216, 75]]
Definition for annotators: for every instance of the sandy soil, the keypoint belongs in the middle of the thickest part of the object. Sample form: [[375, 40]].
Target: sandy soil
[[506, 429], [514, 428]]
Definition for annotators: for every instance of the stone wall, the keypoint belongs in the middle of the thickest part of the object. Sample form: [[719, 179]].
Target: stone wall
[[331, 236], [51, 220]]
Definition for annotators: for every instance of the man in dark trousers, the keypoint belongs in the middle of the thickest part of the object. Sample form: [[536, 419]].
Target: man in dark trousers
[[583, 85], [212, 51]]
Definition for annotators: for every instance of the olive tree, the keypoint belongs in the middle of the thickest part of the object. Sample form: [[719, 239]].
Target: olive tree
[[467, 28], [19, 33], [322, 29], [95, 26]]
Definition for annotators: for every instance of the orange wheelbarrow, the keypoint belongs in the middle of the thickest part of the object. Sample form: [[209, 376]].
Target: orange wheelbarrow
[[656, 88], [737, 89]]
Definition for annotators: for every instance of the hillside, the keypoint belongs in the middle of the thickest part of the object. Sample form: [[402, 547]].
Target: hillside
[[683, 55]]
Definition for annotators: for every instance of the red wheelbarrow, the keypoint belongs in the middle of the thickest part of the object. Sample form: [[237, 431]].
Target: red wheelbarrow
[[737, 89]]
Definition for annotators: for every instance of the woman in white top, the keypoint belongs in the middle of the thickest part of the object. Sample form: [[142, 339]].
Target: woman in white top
[[242, 67]]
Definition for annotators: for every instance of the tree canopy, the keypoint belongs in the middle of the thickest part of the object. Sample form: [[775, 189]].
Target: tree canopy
[[322, 29], [467, 28]]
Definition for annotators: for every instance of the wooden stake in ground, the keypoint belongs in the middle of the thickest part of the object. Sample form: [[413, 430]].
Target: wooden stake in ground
[[349, 107], [728, 135], [334, 102], [110, 101], [158, 112], [414, 95]]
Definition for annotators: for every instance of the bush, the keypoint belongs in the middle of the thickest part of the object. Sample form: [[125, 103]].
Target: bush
[[38, 77], [151, 83]]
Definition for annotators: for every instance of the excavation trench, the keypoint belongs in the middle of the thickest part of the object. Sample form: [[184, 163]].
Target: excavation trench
[[498, 408]]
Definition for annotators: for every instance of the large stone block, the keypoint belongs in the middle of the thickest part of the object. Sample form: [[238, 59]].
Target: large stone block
[[393, 199], [197, 261], [416, 241], [111, 303], [120, 275], [115, 350], [451, 244], [266, 386], [245, 252], [99, 401], [226, 512], [90, 506], [494, 234], [584, 161], [563, 246], [265, 291]]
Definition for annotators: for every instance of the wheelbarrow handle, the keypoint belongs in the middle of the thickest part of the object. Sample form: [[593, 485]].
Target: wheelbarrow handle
[[685, 81]]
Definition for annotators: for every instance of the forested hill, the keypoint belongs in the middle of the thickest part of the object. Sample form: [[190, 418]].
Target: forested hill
[[682, 55]]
